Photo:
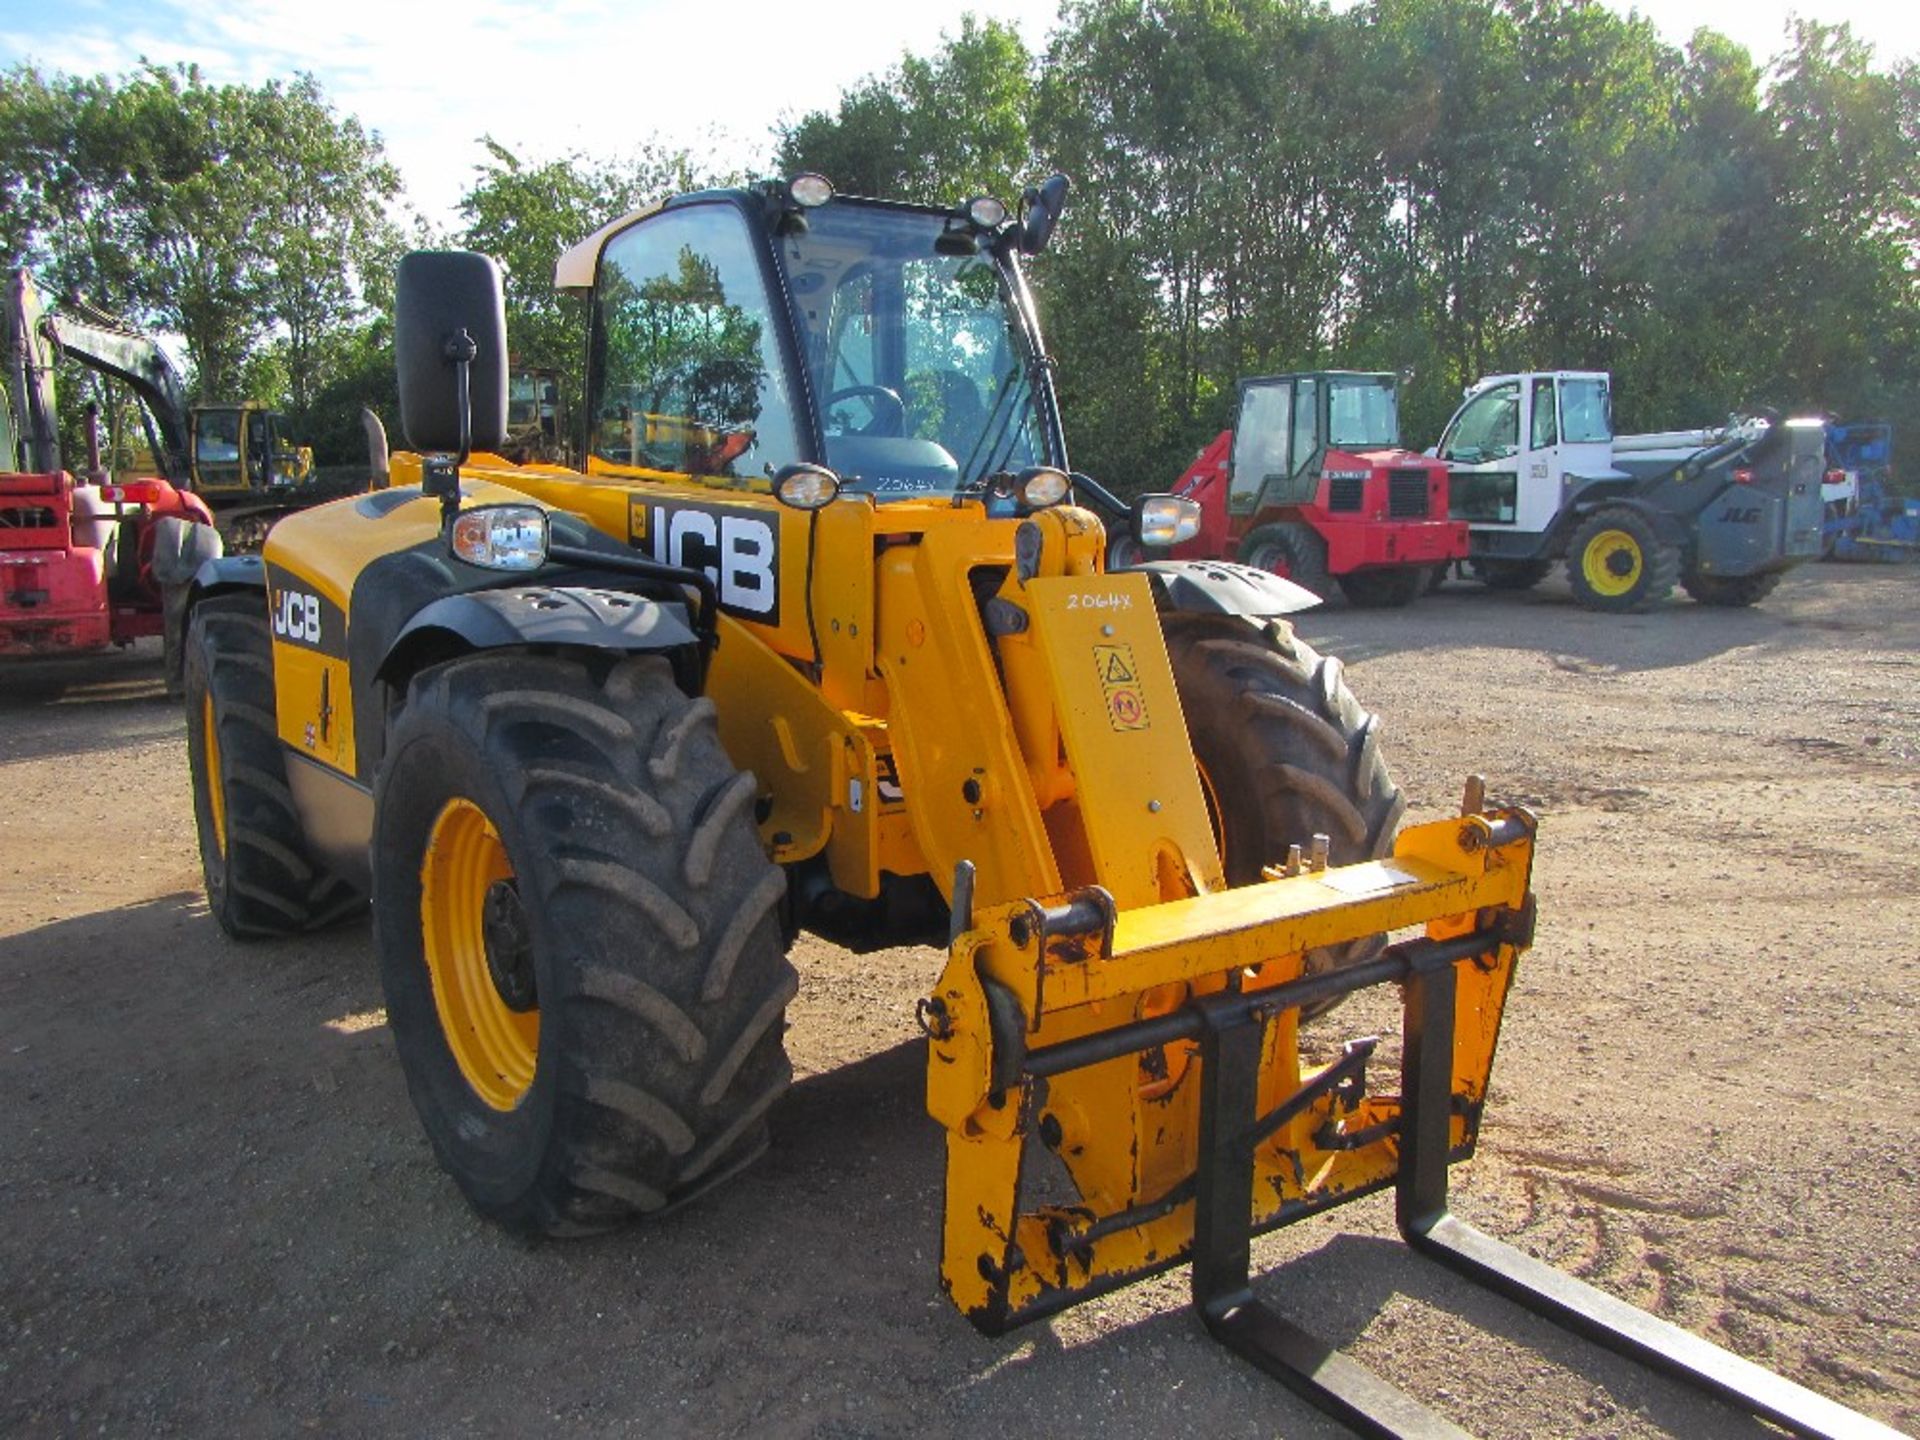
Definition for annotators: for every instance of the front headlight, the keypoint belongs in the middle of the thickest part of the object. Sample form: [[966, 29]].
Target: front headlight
[[1163, 520], [501, 537], [1043, 486]]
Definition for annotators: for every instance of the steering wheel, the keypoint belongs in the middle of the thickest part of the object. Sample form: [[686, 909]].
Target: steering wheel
[[889, 410]]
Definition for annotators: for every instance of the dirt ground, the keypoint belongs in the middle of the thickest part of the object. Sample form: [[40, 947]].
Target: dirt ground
[[219, 1216]]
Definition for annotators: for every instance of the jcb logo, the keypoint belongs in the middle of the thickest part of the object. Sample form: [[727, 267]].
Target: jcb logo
[[737, 546], [297, 617], [1740, 515]]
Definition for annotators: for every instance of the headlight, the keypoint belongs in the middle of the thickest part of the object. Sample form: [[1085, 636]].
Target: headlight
[[501, 537], [806, 487], [1162, 520], [809, 190], [1043, 486], [986, 212]]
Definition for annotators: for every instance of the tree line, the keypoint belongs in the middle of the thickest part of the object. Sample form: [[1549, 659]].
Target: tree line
[[1440, 188]]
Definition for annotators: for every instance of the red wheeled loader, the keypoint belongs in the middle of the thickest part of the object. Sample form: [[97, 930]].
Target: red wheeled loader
[[1310, 483], [82, 563]]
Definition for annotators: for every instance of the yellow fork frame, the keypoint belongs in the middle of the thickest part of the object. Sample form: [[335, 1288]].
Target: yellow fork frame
[[1028, 994]]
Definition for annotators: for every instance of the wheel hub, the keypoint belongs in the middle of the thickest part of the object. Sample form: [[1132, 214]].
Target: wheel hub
[[509, 947]]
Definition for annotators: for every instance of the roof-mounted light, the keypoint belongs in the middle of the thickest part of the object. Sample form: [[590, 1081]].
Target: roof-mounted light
[[810, 190], [986, 212], [1043, 486]]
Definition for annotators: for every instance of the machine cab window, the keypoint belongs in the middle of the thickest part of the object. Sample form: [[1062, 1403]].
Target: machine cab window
[[1586, 411], [922, 377], [1545, 429], [1260, 436], [685, 352], [1487, 428]]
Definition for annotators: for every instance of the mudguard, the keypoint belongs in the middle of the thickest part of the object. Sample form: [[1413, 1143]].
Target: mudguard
[[1221, 587], [578, 616]]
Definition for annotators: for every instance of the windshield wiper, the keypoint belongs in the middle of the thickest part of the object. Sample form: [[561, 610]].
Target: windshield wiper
[[1013, 400]]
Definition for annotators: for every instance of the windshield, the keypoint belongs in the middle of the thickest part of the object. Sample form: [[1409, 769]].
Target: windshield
[[923, 380], [1366, 413], [1586, 411]]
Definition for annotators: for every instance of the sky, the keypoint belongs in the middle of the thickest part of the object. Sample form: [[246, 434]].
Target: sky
[[602, 76]]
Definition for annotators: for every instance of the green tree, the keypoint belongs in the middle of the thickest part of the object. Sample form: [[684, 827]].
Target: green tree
[[931, 130]]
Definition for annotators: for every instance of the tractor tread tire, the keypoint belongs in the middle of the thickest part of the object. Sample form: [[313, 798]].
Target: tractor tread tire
[[1659, 562], [1297, 546], [660, 963], [1731, 590], [265, 882], [1510, 574], [1288, 752], [1384, 589]]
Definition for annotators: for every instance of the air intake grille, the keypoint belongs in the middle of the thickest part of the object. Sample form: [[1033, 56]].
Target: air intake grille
[[1407, 494], [1345, 493]]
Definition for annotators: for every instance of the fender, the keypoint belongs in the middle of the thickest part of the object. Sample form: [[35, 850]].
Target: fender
[[576, 616], [1671, 528], [1221, 587]]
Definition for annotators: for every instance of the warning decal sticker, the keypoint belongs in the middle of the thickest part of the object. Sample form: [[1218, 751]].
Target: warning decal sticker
[[1120, 684]]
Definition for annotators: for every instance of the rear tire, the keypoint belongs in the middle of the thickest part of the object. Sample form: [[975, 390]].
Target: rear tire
[[574, 846], [1291, 549], [1617, 562], [1509, 574], [261, 880], [1731, 590], [1285, 752], [1384, 589]]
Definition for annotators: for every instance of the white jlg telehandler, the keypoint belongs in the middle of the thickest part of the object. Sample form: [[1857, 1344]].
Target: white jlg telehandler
[[1539, 476]]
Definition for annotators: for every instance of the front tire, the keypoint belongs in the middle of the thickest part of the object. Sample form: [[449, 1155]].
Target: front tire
[[1290, 549], [1509, 574], [261, 880], [1731, 590], [1285, 752], [1616, 561], [579, 938], [1384, 589]]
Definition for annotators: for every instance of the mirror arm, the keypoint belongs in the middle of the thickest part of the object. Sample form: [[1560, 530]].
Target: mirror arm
[[440, 474]]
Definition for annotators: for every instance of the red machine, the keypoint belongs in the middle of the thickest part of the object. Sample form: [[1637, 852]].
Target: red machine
[[76, 561], [1310, 483], [76, 557]]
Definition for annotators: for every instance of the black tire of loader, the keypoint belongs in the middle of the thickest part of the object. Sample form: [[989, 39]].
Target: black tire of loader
[[1384, 589], [1730, 590], [263, 881], [1509, 574], [1293, 549], [1287, 751], [660, 968], [1659, 562]]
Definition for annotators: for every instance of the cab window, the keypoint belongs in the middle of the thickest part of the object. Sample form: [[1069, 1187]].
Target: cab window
[[1586, 411], [1260, 441], [1546, 430], [687, 361], [1488, 428]]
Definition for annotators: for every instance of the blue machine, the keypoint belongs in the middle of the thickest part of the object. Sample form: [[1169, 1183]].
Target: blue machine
[[1873, 523]]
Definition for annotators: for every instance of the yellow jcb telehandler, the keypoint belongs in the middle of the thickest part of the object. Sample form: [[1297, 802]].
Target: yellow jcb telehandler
[[823, 637]]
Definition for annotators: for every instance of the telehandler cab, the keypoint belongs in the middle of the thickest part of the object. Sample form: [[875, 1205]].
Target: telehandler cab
[[820, 638]]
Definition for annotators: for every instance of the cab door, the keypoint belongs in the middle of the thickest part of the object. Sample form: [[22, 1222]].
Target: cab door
[[1482, 447]]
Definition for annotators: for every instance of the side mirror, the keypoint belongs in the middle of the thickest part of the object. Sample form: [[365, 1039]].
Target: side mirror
[[440, 294], [1040, 211]]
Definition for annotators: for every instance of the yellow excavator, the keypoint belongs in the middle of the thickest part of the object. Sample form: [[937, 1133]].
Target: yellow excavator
[[823, 636]]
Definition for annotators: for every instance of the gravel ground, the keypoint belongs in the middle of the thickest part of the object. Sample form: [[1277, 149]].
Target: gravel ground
[[220, 1215]]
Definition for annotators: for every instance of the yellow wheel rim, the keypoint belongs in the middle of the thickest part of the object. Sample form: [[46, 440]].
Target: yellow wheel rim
[[1611, 563], [216, 782], [494, 1046]]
